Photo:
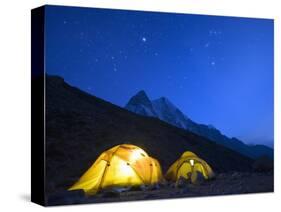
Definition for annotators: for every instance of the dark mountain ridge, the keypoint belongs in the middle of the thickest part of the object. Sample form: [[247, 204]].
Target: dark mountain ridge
[[79, 127], [166, 111]]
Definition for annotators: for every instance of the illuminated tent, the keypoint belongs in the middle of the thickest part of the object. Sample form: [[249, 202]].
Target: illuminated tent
[[188, 166], [121, 166]]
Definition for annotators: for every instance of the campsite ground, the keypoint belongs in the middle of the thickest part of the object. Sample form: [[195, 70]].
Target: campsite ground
[[223, 184]]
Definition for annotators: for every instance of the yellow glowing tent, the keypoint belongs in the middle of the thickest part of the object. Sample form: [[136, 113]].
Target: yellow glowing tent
[[188, 166], [121, 166]]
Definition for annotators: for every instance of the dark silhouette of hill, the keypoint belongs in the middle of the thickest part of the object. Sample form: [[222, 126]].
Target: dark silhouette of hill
[[80, 126]]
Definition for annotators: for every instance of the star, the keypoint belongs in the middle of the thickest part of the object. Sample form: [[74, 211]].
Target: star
[[213, 63], [214, 32], [143, 39], [207, 44], [115, 69], [64, 22]]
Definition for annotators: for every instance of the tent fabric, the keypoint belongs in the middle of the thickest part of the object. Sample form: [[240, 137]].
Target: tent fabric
[[188, 166], [121, 166]]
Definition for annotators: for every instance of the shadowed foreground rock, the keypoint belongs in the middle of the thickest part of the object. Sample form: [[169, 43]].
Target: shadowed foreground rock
[[223, 184]]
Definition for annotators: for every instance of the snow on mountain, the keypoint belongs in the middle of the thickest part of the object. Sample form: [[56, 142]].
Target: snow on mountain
[[166, 111], [141, 104]]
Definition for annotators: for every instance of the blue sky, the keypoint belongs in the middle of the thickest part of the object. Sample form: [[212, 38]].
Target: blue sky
[[217, 70]]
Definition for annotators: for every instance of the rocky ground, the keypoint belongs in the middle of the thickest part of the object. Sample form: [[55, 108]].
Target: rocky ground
[[223, 184]]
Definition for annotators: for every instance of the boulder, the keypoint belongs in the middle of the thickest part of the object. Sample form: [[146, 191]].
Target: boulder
[[263, 164]]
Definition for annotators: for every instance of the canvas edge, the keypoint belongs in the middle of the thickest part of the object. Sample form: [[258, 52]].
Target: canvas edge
[[38, 106]]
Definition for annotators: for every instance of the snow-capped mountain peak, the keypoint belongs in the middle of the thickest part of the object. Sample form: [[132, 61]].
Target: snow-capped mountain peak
[[161, 108], [163, 101], [166, 111], [140, 98], [141, 104]]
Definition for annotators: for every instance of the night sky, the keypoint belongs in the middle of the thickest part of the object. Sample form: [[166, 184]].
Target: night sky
[[217, 70]]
